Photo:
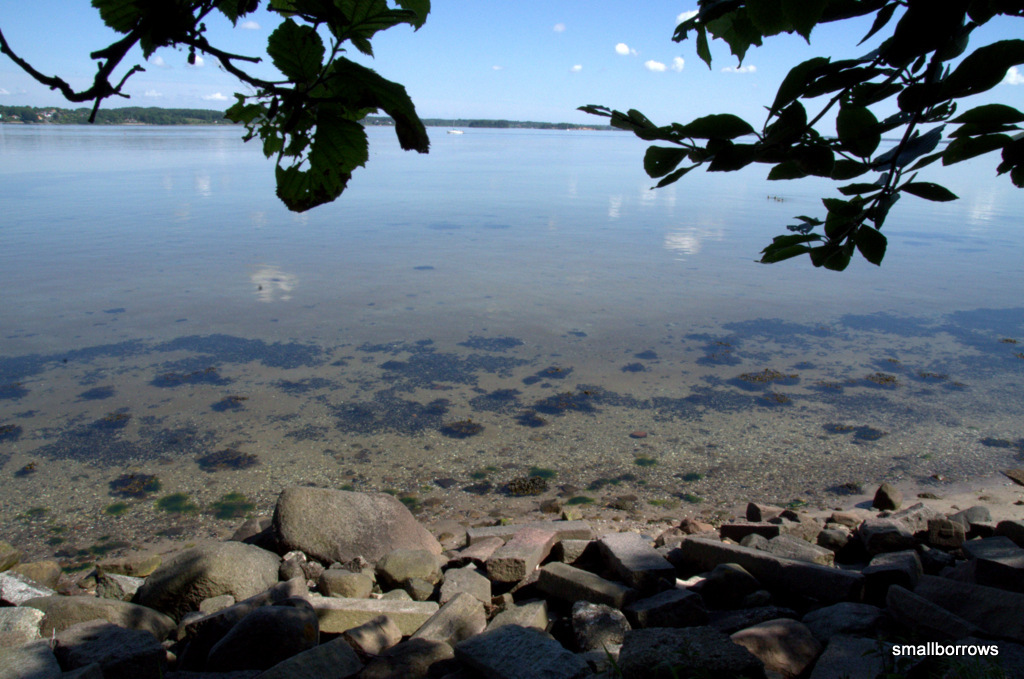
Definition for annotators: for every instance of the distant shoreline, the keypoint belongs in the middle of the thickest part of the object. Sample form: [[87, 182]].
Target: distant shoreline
[[154, 116]]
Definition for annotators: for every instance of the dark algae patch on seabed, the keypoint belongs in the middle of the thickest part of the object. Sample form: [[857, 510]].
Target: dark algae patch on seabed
[[768, 409]]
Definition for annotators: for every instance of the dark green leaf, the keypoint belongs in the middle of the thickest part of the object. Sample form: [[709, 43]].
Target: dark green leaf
[[871, 244], [859, 188], [716, 126], [919, 97], [121, 15], [848, 169], [674, 177], [841, 208], [233, 9], [867, 94], [984, 68], [833, 257], [297, 51], [703, 50], [1017, 176], [421, 8], [364, 89], [816, 159], [917, 146], [596, 110], [790, 126], [803, 15], [977, 130], [737, 30], [772, 254], [840, 80], [991, 114], [787, 170], [881, 209], [929, 191], [1013, 155], [924, 162], [858, 130], [659, 160], [732, 157], [768, 17], [881, 19], [796, 81], [968, 147]]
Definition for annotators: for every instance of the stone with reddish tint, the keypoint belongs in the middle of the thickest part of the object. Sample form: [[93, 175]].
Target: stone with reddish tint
[[784, 646], [756, 512], [638, 435], [518, 557], [565, 530], [476, 553], [737, 531]]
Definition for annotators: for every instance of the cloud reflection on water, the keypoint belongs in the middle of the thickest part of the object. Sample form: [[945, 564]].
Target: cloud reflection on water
[[272, 284]]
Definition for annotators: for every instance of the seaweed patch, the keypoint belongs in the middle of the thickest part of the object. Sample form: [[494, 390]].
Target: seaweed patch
[[491, 343], [227, 459]]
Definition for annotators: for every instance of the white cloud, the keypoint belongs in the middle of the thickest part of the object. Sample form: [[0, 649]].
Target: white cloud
[[678, 63], [216, 96], [577, 68], [623, 49], [685, 16], [249, 25], [158, 61], [559, 28], [656, 66], [152, 94], [3, 91], [740, 69], [199, 62], [1014, 77], [497, 68]]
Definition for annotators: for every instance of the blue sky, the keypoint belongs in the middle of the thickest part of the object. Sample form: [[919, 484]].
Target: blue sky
[[527, 60]]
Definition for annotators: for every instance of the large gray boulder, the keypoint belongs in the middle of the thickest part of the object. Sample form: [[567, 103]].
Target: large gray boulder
[[62, 612], [34, 659], [337, 525], [121, 653], [182, 582], [267, 636]]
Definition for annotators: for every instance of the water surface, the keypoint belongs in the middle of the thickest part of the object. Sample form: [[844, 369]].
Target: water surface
[[518, 301]]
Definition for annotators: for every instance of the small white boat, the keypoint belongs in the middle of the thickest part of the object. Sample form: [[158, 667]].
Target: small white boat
[[454, 131]]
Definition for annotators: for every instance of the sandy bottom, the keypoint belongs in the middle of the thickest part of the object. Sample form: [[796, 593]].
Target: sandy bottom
[[122, 446]]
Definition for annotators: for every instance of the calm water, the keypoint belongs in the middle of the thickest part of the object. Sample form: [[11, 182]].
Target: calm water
[[514, 300]]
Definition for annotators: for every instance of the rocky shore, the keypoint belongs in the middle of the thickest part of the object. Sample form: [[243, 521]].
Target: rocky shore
[[341, 584]]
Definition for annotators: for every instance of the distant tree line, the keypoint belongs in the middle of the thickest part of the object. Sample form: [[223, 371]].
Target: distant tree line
[[133, 115], [491, 124]]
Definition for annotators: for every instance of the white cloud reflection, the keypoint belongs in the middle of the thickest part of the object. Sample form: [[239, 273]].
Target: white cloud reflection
[[690, 240], [272, 284]]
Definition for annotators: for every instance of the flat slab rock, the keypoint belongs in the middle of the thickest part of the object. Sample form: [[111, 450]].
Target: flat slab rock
[[512, 652], [656, 652]]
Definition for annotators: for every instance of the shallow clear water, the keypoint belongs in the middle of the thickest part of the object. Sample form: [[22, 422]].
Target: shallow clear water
[[159, 305]]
